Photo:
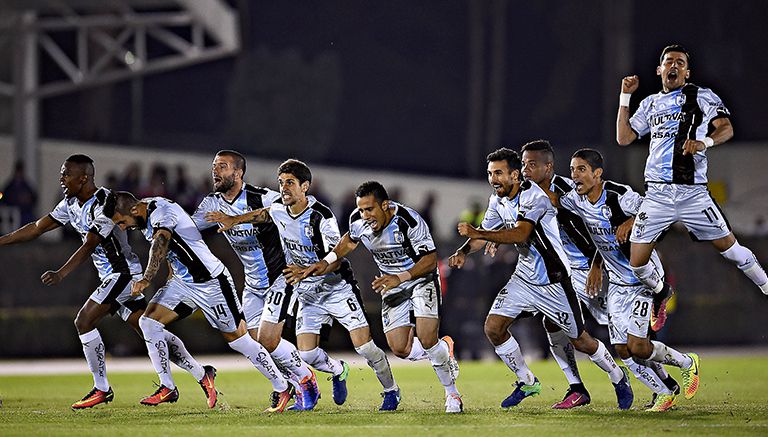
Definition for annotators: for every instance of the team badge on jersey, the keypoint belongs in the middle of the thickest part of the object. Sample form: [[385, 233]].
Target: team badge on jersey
[[398, 236], [308, 231], [680, 99], [605, 210]]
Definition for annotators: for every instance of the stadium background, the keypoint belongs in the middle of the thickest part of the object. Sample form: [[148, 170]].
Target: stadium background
[[413, 94]]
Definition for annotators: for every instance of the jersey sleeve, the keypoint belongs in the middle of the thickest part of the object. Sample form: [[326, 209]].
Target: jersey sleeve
[[207, 205], [568, 201], [421, 238], [630, 201], [356, 228], [329, 231], [102, 225], [711, 105], [60, 214], [270, 197], [533, 205], [639, 121], [164, 217], [492, 219]]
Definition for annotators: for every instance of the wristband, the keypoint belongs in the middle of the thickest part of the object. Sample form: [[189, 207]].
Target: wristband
[[708, 142], [404, 276], [331, 257], [624, 99]]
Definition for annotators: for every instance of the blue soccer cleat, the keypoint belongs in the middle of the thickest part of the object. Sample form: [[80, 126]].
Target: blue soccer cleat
[[624, 394], [391, 400], [521, 392], [340, 385]]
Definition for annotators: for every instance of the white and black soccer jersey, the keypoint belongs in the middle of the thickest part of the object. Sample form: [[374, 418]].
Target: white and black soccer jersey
[[542, 260], [617, 203], [113, 254], [398, 246], [573, 233], [190, 257], [671, 118], [257, 245]]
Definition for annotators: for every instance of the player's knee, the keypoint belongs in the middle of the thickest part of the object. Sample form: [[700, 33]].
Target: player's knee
[[622, 351], [640, 348], [270, 342], [400, 350], [148, 325], [495, 334], [82, 324]]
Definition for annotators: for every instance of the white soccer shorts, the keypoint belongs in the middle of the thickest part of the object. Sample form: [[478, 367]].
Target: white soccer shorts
[[340, 301], [598, 305], [115, 290], [271, 304], [424, 302], [629, 309]]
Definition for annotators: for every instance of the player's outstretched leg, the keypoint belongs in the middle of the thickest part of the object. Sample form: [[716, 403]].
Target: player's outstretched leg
[[157, 347], [205, 375], [746, 261], [663, 375], [93, 349], [688, 363], [563, 353], [262, 361], [377, 360], [663, 397], [441, 357], [339, 370], [527, 384]]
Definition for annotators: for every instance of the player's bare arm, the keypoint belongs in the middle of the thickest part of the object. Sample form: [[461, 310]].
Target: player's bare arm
[[322, 267], [624, 133], [228, 221], [595, 276], [157, 255], [722, 133], [518, 234], [424, 266], [456, 261], [624, 229], [84, 252], [30, 231]]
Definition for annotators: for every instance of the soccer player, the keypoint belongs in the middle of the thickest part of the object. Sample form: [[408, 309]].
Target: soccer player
[[116, 264], [309, 231], [684, 120], [522, 214], [538, 159], [198, 280], [604, 206], [266, 296], [402, 246]]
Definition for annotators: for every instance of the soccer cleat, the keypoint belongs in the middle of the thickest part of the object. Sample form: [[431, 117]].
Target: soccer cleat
[[624, 394], [521, 392], [391, 400], [572, 399], [671, 384], [659, 312], [309, 394], [93, 398], [691, 377], [663, 402], [340, 385], [452, 362], [207, 385], [453, 403], [162, 394], [279, 399]]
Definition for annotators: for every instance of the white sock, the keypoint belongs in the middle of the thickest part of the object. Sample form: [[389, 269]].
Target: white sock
[[439, 356], [261, 360], [181, 357], [605, 361], [647, 376], [321, 361], [666, 355], [377, 360], [746, 261], [658, 368], [562, 352], [417, 351], [93, 348], [649, 276], [510, 353], [154, 337], [286, 355]]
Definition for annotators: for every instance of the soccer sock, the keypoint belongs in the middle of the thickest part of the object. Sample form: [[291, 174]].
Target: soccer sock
[[181, 357], [377, 360], [510, 353], [649, 276], [93, 348], [746, 261], [658, 368], [439, 356], [562, 352], [605, 361], [286, 355], [261, 360], [154, 337], [321, 361], [647, 376], [666, 355], [417, 351]]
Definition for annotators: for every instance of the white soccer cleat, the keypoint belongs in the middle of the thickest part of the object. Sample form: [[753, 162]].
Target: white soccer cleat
[[453, 403]]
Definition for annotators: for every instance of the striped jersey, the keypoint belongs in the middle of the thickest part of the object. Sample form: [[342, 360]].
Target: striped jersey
[[190, 257], [398, 246], [577, 245], [671, 118], [617, 203], [542, 259], [257, 245], [113, 254]]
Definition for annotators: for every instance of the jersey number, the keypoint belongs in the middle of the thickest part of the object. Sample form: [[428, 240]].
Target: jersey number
[[275, 298], [640, 309], [219, 310], [714, 215], [351, 303]]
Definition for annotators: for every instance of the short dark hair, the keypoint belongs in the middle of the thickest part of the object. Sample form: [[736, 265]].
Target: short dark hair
[[296, 168], [505, 154], [539, 146], [592, 156], [237, 157], [372, 188], [675, 48], [84, 161], [119, 201]]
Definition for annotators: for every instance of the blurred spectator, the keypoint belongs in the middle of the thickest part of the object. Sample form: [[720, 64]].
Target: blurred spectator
[[348, 206], [111, 181], [183, 192], [20, 194], [761, 227], [131, 178], [428, 207], [317, 190], [474, 214], [157, 184]]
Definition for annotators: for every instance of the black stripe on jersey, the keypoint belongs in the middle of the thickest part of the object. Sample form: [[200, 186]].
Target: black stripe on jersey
[[573, 302], [572, 224], [114, 252], [403, 226], [121, 282], [556, 270], [324, 211], [230, 297], [315, 217], [267, 235], [187, 256], [617, 214], [617, 188], [683, 167]]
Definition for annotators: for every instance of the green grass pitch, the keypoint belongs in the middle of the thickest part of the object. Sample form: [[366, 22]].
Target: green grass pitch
[[732, 400]]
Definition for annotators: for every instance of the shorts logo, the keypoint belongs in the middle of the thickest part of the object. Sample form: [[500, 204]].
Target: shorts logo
[[605, 210], [308, 231], [398, 236], [680, 99], [642, 216], [385, 319]]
